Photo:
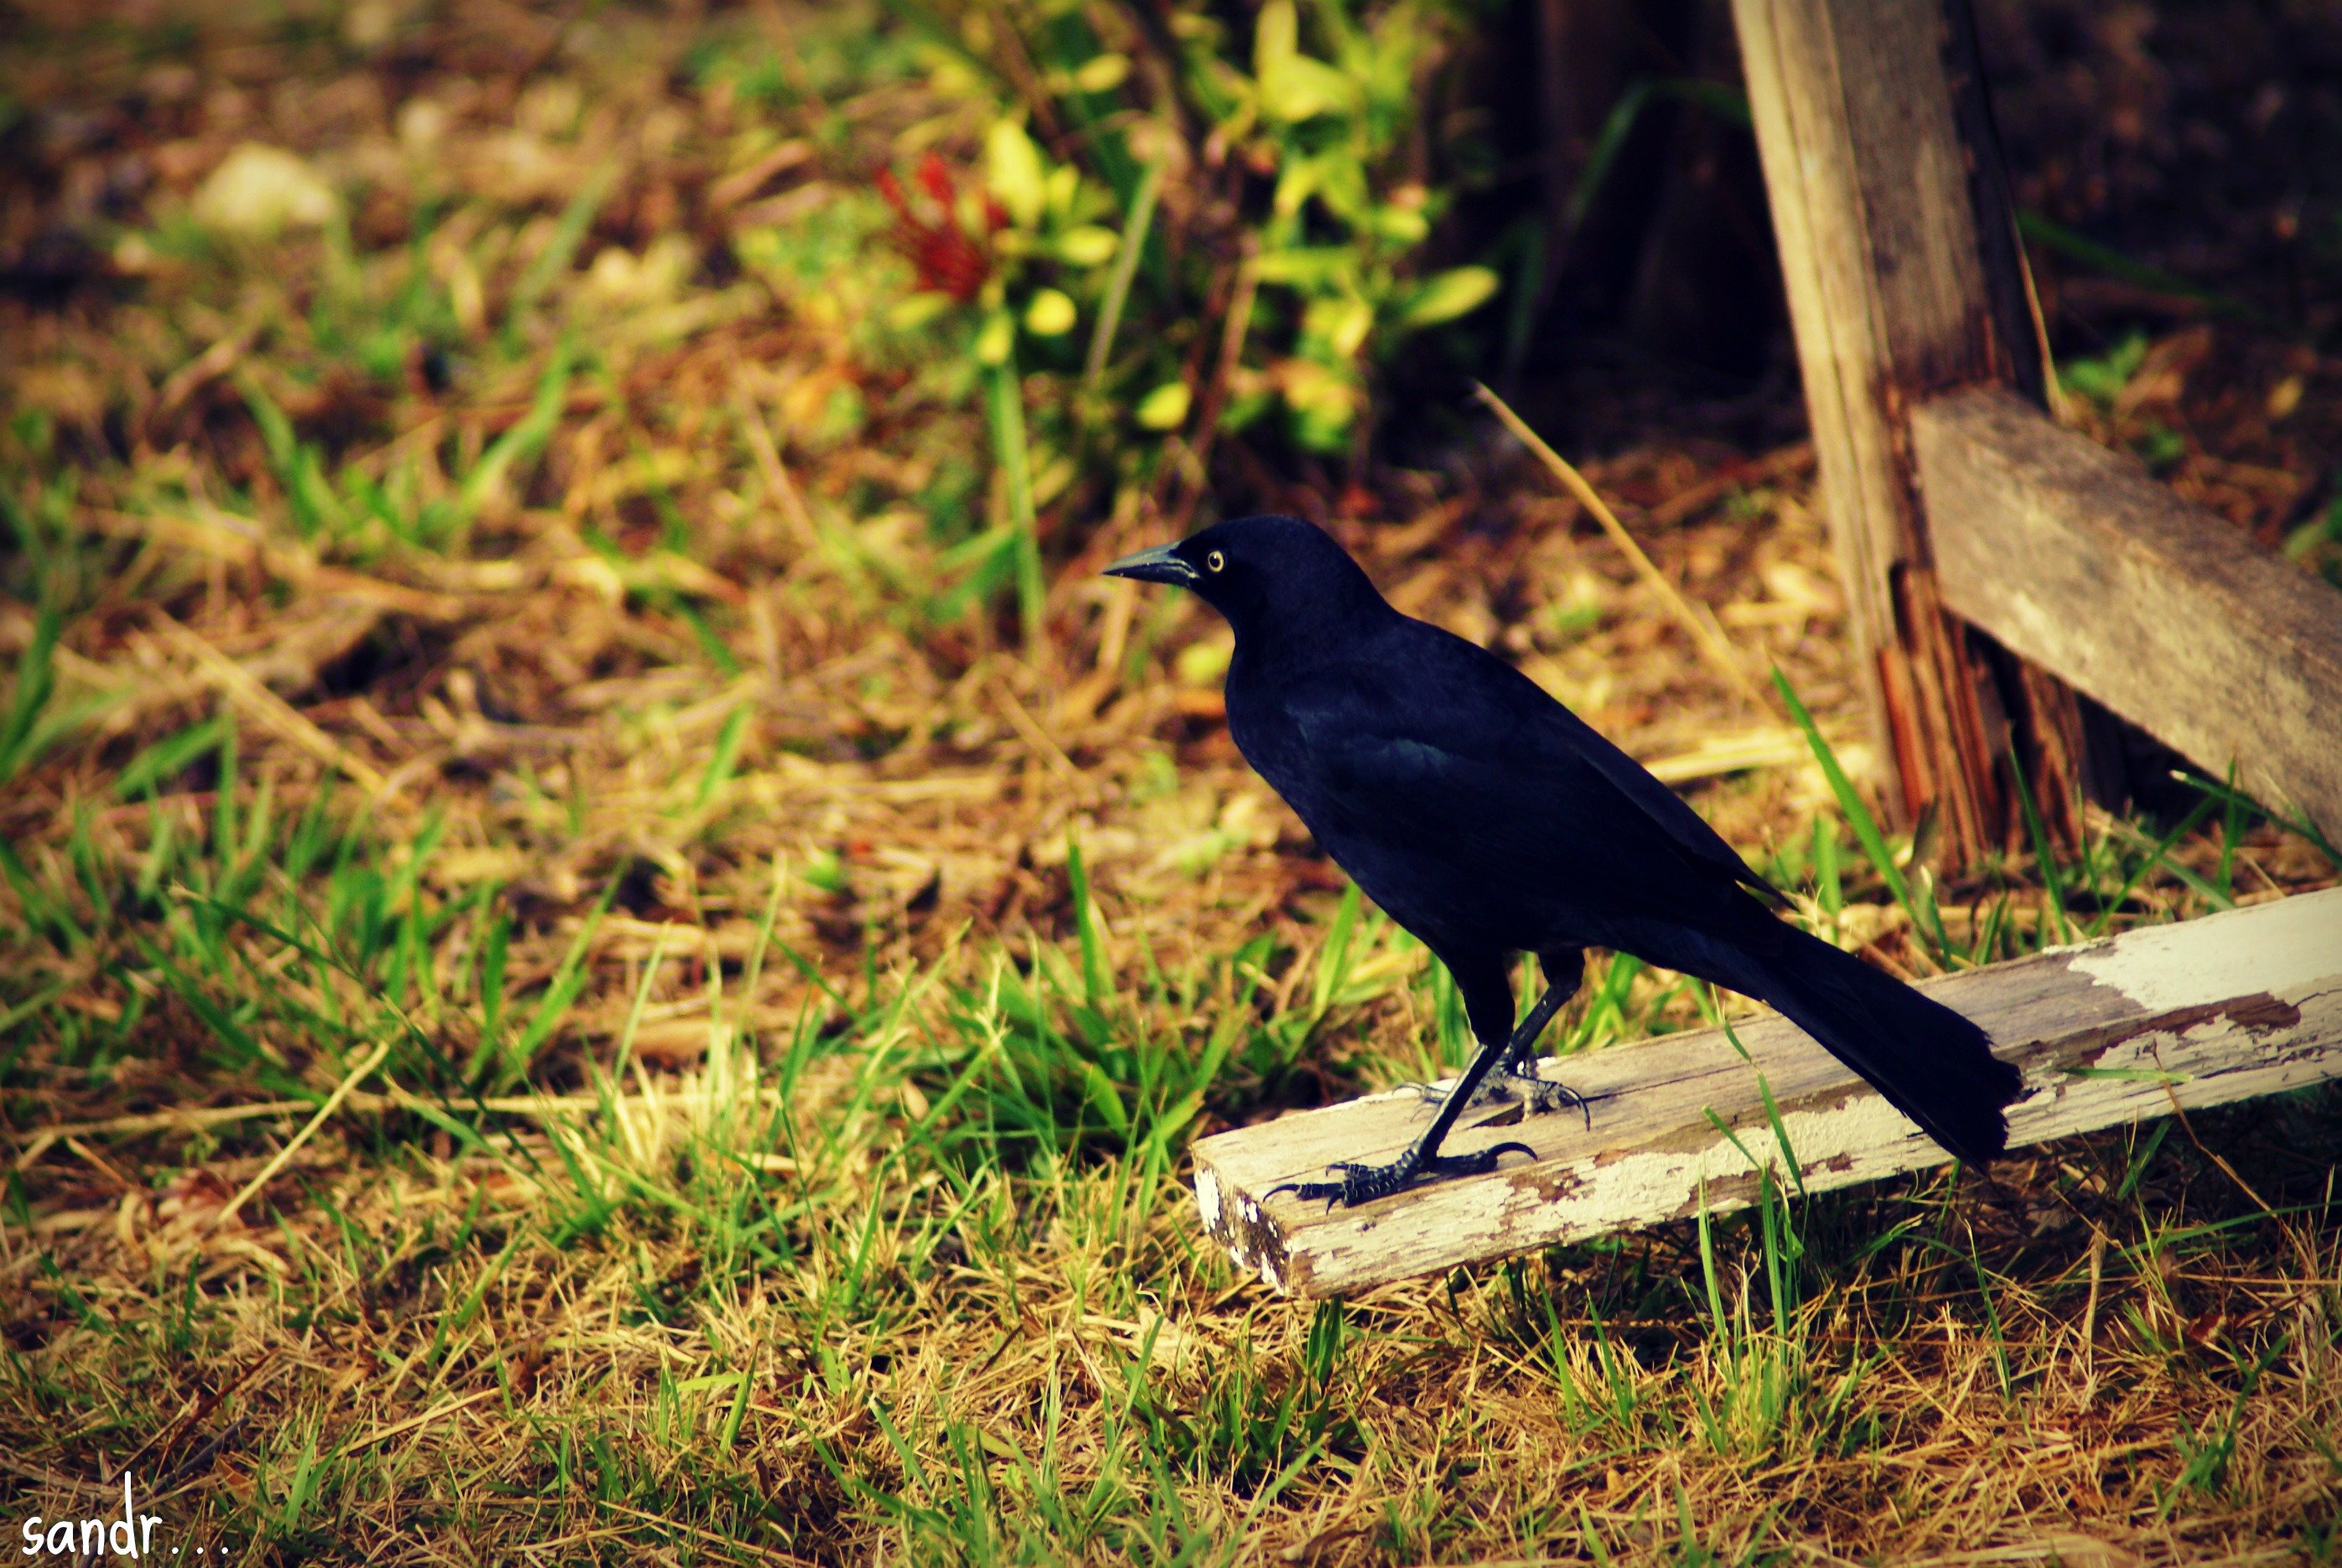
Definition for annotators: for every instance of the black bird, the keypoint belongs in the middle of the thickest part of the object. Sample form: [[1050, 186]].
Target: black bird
[[1489, 820]]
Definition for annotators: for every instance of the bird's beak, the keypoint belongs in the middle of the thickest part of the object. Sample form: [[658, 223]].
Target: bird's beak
[[1160, 564]]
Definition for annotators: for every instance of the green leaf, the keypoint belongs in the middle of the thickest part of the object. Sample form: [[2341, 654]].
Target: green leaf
[[1407, 226], [1105, 1099], [727, 753], [1302, 88], [525, 439], [1097, 980], [994, 338], [35, 681], [168, 757], [1088, 245], [1102, 73], [1293, 87], [1015, 172], [1342, 322], [1276, 37], [1849, 799], [1295, 185], [1051, 314], [1446, 296], [912, 313], [1166, 408], [575, 223], [1004, 408], [1304, 266], [1130, 247]]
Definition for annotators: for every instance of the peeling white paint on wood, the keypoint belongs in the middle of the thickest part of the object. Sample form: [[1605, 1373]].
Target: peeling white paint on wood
[[2238, 1004], [2166, 966]]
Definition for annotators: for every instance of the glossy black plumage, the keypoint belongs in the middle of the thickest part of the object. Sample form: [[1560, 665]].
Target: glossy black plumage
[[1489, 820]]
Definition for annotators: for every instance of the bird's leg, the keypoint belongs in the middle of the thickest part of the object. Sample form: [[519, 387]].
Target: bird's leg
[[1362, 1183], [1489, 1002], [1515, 1077], [1516, 1059], [1563, 969]]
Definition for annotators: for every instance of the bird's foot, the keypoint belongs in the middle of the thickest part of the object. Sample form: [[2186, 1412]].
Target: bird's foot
[[1491, 1091], [1510, 1084], [1363, 1183], [1538, 1096]]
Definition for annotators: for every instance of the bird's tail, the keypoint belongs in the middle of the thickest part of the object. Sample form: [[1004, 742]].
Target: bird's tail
[[1931, 1063]]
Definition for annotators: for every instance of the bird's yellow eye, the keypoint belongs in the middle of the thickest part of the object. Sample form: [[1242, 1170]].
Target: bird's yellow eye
[[1215, 561]]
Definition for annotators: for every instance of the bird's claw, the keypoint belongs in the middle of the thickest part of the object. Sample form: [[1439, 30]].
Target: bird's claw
[[1537, 1096], [1363, 1183]]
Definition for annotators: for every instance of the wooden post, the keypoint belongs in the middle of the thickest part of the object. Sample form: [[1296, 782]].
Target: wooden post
[[2163, 1018], [1905, 277]]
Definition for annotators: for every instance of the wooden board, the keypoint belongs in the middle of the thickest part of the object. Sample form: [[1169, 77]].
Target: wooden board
[[1904, 277], [2072, 555], [2238, 1004]]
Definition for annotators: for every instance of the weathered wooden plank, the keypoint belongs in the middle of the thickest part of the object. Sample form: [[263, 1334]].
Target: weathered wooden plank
[[2238, 1004], [1904, 276], [2072, 556]]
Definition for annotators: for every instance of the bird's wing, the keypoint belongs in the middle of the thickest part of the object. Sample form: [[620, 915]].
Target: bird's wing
[[1689, 829], [1447, 746]]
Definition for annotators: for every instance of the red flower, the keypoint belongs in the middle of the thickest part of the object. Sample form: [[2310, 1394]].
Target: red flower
[[949, 260]]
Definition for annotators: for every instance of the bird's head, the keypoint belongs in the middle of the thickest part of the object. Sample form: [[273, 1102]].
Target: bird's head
[[1261, 573]]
